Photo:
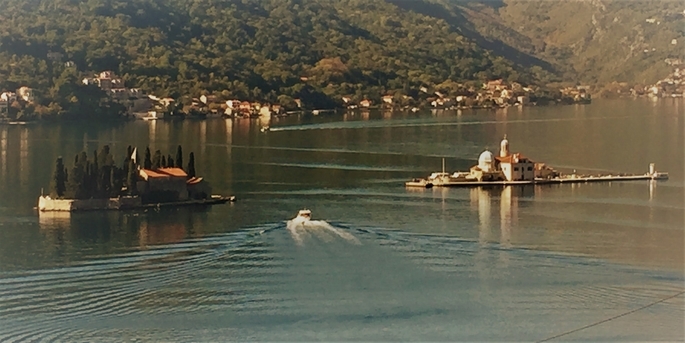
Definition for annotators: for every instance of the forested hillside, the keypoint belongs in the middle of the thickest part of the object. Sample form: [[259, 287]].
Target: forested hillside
[[589, 41], [269, 50]]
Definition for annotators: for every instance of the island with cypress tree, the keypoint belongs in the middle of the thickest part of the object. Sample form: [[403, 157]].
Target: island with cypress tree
[[97, 183]]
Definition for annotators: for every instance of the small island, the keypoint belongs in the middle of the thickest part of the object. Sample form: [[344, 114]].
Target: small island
[[97, 183]]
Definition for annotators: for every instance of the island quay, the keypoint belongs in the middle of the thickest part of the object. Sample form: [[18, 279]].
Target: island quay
[[98, 184], [510, 169]]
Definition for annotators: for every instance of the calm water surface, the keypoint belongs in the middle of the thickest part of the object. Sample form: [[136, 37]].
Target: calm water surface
[[481, 264]]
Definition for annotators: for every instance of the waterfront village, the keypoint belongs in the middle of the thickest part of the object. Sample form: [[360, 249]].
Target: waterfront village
[[136, 103]]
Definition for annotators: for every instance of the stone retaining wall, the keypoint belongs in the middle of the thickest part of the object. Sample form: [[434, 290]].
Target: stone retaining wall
[[46, 203]]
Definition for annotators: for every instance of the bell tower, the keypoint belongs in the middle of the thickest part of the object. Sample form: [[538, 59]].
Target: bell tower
[[504, 147]]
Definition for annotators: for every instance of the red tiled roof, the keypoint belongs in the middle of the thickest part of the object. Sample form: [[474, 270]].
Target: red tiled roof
[[178, 172], [194, 180], [510, 158], [164, 172], [152, 173]]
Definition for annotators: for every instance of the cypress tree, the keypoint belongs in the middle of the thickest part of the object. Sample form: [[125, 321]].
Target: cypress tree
[[76, 187], [157, 160], [104, 172], [163, 163], [191, 165], [59, 179], [95, 174], [114, 187], [131, 178], [124, 165], [105, 156], [72, 180], [90, 181], [170, 162], [179, 157], [85, 167], [147, 164]]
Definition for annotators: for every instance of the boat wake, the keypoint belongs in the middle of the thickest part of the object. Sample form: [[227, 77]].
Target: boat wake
[[302, 229]]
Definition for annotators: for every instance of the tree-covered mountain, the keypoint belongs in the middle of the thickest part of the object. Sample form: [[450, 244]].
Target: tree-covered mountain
[[589, 41], [317, 50], [320, 50]]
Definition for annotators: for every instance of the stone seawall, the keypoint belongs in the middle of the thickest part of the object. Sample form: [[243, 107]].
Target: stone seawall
[[46, 203]]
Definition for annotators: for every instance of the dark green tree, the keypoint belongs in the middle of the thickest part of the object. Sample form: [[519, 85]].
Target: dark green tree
[[163, 163], [179, 157], [95, 182], [131, 178], [59, 179], [76, 188], [157, 160], [147, 164], [170, 162], [105, 171], [114, 187], [191, 165]]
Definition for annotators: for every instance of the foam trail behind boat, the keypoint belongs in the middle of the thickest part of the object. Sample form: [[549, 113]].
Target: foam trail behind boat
[[301, 228]]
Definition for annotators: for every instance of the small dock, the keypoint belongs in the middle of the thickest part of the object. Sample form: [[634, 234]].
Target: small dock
[[213, 200]]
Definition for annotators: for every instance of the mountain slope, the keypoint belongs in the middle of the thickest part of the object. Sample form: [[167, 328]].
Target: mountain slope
[[251, 49], [592, 41]]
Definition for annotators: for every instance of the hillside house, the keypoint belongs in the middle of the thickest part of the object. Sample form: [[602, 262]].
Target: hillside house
[[245, 108], [8, 97], [166, 102], [494, 85], [105, 81], [233, 104], [25, 93], [208, 99], [265, 111]]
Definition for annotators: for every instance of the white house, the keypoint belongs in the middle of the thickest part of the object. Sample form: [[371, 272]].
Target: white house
[[8, 97]]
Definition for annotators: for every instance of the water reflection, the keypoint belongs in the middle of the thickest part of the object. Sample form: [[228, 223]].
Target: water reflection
[[264, 122], [72, 236], [203, 137], [482, 199], [24, 157], [3, 152], [508, 208], [152, 133]]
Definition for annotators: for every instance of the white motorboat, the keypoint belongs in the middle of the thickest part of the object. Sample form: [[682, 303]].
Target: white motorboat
[[304, 214]]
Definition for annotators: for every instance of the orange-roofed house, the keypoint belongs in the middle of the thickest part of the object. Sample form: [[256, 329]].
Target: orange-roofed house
[[163, 185]]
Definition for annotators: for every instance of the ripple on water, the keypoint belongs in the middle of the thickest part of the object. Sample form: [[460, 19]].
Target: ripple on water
[[263, 283]]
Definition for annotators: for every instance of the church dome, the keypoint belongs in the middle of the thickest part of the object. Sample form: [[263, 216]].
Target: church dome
[[485, 161]]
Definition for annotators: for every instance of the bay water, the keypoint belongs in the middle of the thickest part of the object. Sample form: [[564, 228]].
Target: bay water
[[383, 262]]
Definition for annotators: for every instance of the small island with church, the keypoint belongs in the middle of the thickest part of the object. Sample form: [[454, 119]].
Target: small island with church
[[97, 183], [515, 169]]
